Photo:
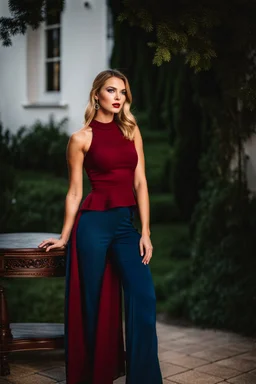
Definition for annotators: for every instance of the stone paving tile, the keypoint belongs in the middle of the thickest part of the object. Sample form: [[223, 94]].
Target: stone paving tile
[[120, 380], [249, 355], [28, 363], [218, 370], [161, 349], [175, 345], [38, 360], [32, 379], [246, 378], [242, 346], [18, 371], [192, 340], [195, 377], [216, 354], [169, 356], [168, 369], [166, 334], [188, 361], [57, 373], [186, 341], [206, 333], [192, 348], [184, 355], [239, 364]]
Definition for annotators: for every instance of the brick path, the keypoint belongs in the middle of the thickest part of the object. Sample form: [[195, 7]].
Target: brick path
[[187, 356]]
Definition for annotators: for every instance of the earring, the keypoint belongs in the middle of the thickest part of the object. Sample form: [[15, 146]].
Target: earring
[[96, 105]]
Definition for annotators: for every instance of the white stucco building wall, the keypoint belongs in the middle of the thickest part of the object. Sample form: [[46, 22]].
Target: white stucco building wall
[[85, 51]]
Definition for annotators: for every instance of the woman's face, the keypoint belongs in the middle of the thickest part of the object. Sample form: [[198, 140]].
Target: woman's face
[[112, 95]]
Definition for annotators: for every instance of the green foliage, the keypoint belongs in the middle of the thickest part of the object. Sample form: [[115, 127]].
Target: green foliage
[[33, 199], [187, 143], [7, 193], [188, 28], [176, 286], [178, 29], [39, 206], [156, 155], [26, 13], [223, 264], [7, 179], [5, 144], [31, 300], [163, 209], [206, 35], [170, 267], [151, 86], [41, 147]]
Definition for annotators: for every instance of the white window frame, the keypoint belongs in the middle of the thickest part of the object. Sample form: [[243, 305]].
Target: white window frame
[[51, 60], [48, 96], [37, 94]]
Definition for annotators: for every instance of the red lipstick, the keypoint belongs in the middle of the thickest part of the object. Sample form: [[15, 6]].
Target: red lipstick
[[116, 105]]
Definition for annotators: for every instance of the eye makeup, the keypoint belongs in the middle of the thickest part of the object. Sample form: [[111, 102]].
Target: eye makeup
[[124, 92]]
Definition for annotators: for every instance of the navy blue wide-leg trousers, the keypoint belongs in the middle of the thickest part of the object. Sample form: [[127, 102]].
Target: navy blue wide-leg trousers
[[112, 230]]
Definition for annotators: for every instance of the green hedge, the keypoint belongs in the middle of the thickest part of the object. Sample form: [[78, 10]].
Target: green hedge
[[156, 155], [163, 208], [31, 300], [40, 147], [38, 204], [223, 265], [35, 300]]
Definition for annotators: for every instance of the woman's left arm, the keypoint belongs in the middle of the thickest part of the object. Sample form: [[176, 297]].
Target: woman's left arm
[[141, 189]]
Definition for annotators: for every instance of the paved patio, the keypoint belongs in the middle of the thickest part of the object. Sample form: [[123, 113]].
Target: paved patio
[[187, 356]]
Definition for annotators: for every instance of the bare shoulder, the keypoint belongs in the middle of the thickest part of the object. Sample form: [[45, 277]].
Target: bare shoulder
[[80, 140]]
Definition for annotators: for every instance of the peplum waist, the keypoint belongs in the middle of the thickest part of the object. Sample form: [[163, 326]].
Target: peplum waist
[[102, 199]]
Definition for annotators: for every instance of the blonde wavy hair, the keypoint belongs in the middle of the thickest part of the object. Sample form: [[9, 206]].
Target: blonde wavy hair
[[124, 118]]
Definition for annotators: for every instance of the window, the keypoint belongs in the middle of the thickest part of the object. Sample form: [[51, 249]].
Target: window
[[110, 29], [52, 52], [110, 34]]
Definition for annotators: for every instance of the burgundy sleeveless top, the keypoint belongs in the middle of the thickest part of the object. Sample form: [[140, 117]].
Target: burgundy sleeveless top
[[110, 164]]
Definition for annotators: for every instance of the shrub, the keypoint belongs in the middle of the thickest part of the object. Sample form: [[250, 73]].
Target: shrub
[[156, 155], [5, 145], [223, 262], [39, 206], [173, 287], [31, 300], [41, 147], [7, 194], [163, 208]]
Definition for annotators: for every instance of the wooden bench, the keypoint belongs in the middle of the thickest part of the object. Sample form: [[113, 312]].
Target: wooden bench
[[20, 257]]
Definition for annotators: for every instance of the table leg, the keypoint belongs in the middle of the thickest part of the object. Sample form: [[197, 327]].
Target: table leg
[[5, 335]]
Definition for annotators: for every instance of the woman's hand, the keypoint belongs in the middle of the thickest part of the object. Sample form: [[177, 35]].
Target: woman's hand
[[52, 243], [146, 248]]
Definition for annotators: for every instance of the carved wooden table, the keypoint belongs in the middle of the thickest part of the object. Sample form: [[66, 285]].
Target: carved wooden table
[[20, 257]]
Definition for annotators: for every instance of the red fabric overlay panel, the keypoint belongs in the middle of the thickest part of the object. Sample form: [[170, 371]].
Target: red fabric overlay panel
[[109, 359]]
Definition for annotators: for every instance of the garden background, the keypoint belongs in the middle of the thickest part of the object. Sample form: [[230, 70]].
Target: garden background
[[195, 107]]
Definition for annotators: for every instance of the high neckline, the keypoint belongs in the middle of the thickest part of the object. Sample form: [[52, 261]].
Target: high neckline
[[98, 124]]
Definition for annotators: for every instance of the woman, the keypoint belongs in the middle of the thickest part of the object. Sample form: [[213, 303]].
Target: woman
[[105, 251]]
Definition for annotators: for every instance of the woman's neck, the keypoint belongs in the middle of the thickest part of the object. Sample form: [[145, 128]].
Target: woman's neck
[[103, 117]]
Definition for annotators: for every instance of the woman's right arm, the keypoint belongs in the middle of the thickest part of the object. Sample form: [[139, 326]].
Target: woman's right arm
[[75, 158]]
